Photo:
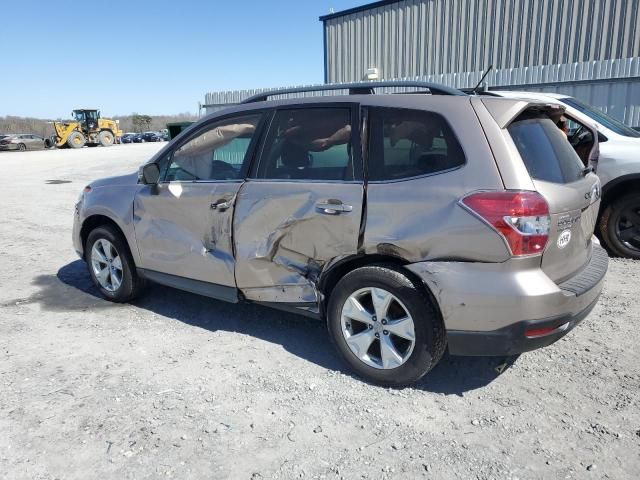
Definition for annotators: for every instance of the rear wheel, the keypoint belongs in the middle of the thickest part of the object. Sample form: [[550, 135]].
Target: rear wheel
[[385, 326], [106, 138], [22, 147], [111, 266], [620, 226], [76, 140]]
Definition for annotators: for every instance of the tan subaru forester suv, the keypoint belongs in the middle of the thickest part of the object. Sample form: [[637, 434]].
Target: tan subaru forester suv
[[410, 223]]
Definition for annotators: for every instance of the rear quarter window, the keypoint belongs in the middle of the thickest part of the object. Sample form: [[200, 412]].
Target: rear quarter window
[[545, 150], [409, 143]]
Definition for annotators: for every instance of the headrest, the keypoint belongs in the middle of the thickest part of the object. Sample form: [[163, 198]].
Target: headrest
[[294, 155]]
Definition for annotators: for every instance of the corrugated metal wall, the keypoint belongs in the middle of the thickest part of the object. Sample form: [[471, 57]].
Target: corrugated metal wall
[[612, 85], [411, 38]]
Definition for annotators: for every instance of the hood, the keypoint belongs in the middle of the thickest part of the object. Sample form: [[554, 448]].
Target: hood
[[120, 180]]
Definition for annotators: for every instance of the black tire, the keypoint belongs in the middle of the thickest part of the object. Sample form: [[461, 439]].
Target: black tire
[[106, 138], [132, 284], [430, 339], [624, 210], [22, 147], [76, 140]]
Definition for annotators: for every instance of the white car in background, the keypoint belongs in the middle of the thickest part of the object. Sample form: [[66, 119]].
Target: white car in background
[[618, 166]]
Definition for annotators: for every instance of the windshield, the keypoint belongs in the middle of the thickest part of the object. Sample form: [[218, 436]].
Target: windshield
[[601, 117]]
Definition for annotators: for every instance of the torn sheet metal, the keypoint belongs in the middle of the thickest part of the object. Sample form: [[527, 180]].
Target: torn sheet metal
[[283, 240]]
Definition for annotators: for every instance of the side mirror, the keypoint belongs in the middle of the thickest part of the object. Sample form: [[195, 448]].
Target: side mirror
[[150, 174]]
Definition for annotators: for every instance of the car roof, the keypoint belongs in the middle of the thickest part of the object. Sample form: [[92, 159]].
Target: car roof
[[400, 100]]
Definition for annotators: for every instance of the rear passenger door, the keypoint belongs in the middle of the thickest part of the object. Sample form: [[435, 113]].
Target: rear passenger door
[[302, 206]]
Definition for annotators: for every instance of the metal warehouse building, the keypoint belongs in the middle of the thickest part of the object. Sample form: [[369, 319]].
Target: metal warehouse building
[[586, 48]]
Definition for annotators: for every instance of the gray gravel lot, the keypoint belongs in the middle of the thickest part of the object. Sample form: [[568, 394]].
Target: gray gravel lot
[[181, 386]]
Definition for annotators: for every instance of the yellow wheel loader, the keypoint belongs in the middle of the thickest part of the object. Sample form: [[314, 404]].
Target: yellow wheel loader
[[86, 128]]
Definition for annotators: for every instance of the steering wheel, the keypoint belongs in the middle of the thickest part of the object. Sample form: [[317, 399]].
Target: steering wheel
[[578, 136]]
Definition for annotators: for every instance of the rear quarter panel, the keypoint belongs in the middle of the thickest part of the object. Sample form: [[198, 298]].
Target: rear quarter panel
[[420, 219]]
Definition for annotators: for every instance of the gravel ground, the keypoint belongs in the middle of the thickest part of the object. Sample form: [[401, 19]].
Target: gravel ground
[[183, 386]]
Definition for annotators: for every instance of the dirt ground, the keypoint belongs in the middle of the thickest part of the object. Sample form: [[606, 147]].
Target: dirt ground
[[181, 386]]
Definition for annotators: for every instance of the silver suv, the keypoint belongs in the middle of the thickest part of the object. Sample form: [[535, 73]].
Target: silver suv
[[410, 222]]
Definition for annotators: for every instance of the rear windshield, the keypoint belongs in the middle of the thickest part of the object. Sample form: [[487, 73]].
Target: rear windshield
[[545, 150]]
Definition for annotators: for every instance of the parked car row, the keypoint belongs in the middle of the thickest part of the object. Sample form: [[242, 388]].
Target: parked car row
[[144, 137]]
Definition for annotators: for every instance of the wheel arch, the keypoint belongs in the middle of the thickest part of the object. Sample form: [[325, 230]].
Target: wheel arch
[[94, 221], [619, 186], [330, 277]]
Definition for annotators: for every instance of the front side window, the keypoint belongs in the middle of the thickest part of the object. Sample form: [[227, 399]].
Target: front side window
[[218, 153], [409, 143], [309, 144]]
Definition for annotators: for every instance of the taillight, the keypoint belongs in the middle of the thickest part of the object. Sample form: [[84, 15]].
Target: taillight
[[522, 218]]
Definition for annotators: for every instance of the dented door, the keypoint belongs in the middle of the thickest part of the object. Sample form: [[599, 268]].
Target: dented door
[[183, 225], [184, 229], [287, 232], [302, 208]]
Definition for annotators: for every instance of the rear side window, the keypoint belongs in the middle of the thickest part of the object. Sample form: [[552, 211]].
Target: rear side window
[[309, 144], [545, 150], [409, 143]]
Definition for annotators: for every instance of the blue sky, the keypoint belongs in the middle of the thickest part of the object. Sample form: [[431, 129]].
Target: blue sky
[[153, 57]]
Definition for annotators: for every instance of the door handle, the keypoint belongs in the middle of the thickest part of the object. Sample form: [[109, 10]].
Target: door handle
[[221, 205], [333, 207]]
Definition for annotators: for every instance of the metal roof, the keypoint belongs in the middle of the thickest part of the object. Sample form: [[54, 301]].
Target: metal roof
[[361, 8]]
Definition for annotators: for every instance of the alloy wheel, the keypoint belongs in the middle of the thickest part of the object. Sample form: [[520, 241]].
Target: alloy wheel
[[378, 328], [106, 264], [628, 227]]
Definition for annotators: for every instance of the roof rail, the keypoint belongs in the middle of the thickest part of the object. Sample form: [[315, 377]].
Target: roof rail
[[358, 88]]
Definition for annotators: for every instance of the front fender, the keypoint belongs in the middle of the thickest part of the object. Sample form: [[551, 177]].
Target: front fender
[[115, 203]]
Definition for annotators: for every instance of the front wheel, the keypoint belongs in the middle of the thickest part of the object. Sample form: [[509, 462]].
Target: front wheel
[[76, 140], [620, 226], [385, 326], [111, 266]]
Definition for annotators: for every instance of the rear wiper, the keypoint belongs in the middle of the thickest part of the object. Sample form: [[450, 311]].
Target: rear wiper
[[587, 170]]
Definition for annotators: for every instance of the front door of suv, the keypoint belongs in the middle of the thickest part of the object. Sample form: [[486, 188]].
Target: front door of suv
[[183, 225], [302, 206]]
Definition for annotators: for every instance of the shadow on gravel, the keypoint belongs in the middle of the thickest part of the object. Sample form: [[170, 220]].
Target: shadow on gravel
[[72, 289]]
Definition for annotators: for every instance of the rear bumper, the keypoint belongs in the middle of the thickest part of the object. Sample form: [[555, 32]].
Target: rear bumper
[[492, 309], [11, 146], [513, 339]]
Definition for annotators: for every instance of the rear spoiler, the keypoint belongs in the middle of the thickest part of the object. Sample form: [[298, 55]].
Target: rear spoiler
[[506, 110]]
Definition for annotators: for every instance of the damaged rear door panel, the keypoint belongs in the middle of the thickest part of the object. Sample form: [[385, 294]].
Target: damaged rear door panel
[[301, 209]]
